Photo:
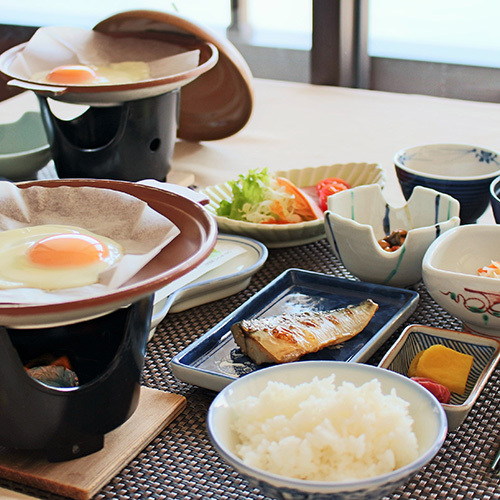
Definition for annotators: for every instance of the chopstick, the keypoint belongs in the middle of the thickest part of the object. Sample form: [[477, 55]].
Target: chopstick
[[496, 462]]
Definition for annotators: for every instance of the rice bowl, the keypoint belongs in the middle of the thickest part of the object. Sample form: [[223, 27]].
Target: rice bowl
[[429, 428], [317, 431]]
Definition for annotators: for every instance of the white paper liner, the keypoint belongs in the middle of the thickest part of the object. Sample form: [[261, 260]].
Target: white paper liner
[[58, 45], [141, 231]]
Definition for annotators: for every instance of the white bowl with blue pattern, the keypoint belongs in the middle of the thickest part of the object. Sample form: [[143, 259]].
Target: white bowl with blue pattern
[[462, 171], [430, 428], [358, 218]]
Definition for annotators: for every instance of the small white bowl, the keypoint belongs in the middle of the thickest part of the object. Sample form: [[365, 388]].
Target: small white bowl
[[24, 148], [449, 271], [286, 235], [429, 426], [357, 219], [416, 338]]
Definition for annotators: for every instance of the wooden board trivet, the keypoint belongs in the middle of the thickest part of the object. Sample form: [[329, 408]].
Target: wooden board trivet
[[83, 477]]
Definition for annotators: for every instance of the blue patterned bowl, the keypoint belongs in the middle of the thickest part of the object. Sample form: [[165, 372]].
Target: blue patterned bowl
[[449, 271], [416, 338], [358, 218], [462, 171], [495, 198], [429, 426]]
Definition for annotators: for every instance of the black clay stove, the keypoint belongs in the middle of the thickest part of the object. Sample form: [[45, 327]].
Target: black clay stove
[[127, 141], [107, 354]]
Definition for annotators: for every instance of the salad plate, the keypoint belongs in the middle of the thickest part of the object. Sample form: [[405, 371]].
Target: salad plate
[[214, 360], [301, 233], [228, 270]]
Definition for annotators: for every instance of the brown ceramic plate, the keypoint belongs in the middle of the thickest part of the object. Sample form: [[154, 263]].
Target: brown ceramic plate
[[219, 102], [98, 95], [194, 243]]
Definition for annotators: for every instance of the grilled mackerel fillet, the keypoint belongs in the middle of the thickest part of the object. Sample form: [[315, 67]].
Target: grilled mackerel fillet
[[285, 338]]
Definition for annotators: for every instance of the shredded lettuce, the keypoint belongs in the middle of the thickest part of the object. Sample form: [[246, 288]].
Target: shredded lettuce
[[253, 197]]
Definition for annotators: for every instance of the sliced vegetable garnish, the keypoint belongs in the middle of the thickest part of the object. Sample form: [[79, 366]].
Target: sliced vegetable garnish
[[327, 187], [304, 205], [261, 198]]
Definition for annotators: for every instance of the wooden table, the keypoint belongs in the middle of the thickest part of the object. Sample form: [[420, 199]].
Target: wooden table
[[293, 126]]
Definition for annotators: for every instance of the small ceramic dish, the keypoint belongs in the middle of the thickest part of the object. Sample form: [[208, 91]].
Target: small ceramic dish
[[429, 428], [462, 171], [449, 271], [355, 221], [24, 148], [286, 235], [227, 279], [416, 338]]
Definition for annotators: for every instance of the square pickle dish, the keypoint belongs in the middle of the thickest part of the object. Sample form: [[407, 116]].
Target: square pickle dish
[[416, 338], [214, 360]]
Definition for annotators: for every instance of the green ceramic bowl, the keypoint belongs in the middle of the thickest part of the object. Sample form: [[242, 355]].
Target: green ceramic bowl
[[24, 148]]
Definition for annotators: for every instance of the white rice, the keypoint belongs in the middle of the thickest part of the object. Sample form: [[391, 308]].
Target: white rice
[[316, 431]]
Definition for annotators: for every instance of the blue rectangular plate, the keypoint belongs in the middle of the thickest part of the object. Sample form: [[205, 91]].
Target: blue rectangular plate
[[214, 360]]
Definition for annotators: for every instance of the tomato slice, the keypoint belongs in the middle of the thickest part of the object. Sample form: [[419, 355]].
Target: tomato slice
[[331, 180], [305, 206], [328, 190]]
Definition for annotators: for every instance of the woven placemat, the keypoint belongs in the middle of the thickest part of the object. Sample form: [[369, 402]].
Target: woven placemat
[[181, 462]]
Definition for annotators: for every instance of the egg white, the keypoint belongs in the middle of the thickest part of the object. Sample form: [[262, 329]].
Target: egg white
[[17, 271], [123, 72], [114, 73]]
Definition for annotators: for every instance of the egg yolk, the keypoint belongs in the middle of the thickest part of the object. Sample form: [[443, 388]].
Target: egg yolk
[[67, 250], [76, 74]]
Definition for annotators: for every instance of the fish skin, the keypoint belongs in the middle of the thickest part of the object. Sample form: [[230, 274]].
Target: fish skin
[[288, 337]]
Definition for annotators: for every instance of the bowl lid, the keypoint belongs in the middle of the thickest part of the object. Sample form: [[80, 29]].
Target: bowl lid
[[198, 235], [219, 102]]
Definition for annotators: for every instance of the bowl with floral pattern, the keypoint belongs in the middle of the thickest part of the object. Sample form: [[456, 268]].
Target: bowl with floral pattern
[[383, 244], [462, 171], [451, 272]]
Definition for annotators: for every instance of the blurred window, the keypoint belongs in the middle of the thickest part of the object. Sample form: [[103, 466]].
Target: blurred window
[[87, 13], [443, 31], [456, 40]]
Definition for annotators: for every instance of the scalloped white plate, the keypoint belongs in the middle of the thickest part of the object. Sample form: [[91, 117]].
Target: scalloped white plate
[[287, 235]]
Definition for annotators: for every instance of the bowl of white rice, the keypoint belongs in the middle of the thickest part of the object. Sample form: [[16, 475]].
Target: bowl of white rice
[[326, 429]]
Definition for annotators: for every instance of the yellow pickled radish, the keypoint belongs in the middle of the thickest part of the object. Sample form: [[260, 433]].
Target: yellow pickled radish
[[443, 365], [412, 371]]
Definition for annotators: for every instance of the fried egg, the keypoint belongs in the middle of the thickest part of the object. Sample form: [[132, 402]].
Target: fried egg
[[53, 257], [79, 74]]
